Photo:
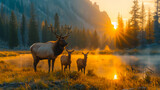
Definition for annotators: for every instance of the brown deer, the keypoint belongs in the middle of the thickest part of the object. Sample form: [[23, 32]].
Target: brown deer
[[81, 63], [49, 50], [66, 60]]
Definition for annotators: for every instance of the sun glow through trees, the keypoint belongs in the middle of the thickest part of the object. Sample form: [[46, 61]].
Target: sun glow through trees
[[115, 25], [115, 77]]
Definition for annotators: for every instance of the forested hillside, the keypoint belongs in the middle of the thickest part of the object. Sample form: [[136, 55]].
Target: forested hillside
[[24, 22], [79, 13]]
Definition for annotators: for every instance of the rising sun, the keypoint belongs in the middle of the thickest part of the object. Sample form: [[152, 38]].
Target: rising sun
[[115, 25], [115, 77]]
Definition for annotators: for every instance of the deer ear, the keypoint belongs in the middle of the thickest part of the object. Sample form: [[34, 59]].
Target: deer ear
[[72, 50], [87, 52]]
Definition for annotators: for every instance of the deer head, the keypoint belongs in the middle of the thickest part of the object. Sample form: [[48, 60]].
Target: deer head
[[69, 52], [85, 55], [62, 39]]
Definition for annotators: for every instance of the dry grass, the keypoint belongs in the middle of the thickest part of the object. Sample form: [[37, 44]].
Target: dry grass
[[100, 74], [12, 53], [44, 80]]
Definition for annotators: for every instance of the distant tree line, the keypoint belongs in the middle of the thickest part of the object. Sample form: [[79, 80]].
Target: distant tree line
[[25, 32], [139, 29]]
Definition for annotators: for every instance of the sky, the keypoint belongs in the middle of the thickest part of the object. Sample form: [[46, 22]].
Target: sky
[[113, 7]]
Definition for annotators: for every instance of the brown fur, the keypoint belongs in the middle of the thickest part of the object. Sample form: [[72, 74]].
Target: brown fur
[[49, 50], [66, 60], [81, 63]]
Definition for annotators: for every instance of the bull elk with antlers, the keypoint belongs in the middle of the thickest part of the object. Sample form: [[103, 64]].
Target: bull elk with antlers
[[49, 50]]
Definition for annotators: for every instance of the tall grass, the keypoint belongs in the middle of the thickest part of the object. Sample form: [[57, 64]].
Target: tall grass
[[100, 73], [72, 80]]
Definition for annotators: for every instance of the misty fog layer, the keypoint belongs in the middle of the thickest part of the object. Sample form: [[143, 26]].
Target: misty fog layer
[[103, 65]]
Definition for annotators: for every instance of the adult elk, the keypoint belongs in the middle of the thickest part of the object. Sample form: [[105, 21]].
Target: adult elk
[[49, 50], [66, 60], [81, 63]]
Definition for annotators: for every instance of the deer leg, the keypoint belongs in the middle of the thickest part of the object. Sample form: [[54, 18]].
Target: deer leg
[[35, 64], [81, 69], [78, 69], [84, 70], [65, 67], [69, 67], [49, 64], [53, 60]]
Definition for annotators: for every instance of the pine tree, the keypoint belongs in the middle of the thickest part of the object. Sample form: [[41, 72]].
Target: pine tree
[[74, 38], [95, 40], [142, 17], [6, 29], [33, 27], [142, 23], [156, 22], [45, 33], [2, 22], [150, 29], [2, 11], [39, 28], [1, 29], [57, 23], [13, 38], [135, 23], [119, 37], [103, 41], [23, 28], [128, 35], [120, 27], [84, 41], [89, 39], [50, 34]]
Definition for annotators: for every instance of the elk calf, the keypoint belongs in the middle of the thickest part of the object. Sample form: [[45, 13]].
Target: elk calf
[[66, 60], [81, 63]]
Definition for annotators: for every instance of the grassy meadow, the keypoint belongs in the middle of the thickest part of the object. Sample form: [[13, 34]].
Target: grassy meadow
[[103, 72]]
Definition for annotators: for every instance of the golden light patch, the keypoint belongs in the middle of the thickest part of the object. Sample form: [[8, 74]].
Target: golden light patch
[[115, 24], [115, 77]]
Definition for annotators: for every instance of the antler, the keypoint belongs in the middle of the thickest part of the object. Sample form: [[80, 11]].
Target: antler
[[51, 27], [87, 52], [68, 28], [55, 30], [72, 51], [67, 50]]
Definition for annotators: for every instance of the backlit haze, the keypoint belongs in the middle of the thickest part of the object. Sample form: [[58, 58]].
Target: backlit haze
[[113, 7]]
